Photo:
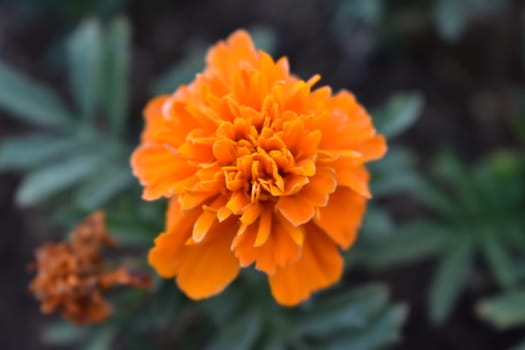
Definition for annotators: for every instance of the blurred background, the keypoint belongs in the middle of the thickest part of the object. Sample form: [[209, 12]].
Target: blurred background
[[440, 262]]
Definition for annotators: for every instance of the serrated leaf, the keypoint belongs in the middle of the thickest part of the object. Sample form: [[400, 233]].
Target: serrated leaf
[[104, 186], [449, 279], [116, 72], [47, 181], [23, 152], [344, 311], [498, 259], [239, 334], [85, 52], [399, 113], [379, 332], [31, 102], [504, 311], [412, 242]]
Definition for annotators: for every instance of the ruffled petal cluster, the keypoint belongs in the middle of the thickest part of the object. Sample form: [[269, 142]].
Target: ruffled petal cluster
[[260, 168], [71, 277]]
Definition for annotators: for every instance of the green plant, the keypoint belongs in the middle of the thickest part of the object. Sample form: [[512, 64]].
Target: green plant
[[84, 151], [477, 211]]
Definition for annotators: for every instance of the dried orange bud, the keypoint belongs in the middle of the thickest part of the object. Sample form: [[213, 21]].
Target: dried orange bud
[[71, 277]]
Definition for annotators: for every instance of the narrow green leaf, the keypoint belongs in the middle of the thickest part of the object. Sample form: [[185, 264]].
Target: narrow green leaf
[[432, 196], [264, 38], [414, 241], [498, 259], [399, 113], [504, 311], [344, 311], [379, 333], [449, 279], [450, 18], [85, 51], [23, 152], [520, 346], [466, 192], [377, 224], [100, 340], [62, 334], [240, 334], [273, 343], [116, 73], [30, 101], [104, 186], [48, 181]]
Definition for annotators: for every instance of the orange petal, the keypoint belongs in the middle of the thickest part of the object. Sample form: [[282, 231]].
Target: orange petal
[[280, 249], [158, 170], [295, 209], [164, 257], [373, 148], [265, 226], [207, 268], [355, 177], [318, 191], [342, 217], [320, 266]]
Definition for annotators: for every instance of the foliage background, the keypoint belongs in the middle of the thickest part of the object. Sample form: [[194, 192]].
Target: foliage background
[[444, 238]]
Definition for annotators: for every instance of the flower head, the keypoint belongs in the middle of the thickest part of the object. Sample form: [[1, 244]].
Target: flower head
[[261, 168], [71, 276]]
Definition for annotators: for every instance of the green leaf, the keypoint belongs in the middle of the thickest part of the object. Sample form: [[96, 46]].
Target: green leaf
[[344, 311], [414, 241], [449, 279], [239, 334], [466, 192], [504, 311], [30, 101], [48, 181], [182, 73], [116, 73], [264, 38], [100, 340], [104, 186], [377, 224], [62, 334], [450, 18], [399, 113], [272, 343], [395, 173], [23, 152], [498, 259], [432, 196], [377, 334], [520, 346], [85, 51]]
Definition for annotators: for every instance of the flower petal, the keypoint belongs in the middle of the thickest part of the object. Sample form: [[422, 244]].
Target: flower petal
[[207, 268], [320, 266], [342, 217]]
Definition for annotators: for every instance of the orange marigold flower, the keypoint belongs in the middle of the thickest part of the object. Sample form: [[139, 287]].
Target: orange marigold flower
[[259, 168], [71, 276]]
